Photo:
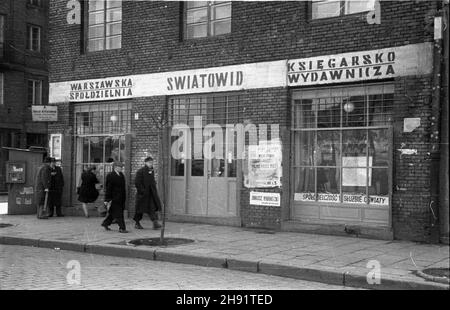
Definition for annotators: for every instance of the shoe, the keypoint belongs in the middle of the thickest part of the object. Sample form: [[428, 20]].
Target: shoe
[[60, 215], [156, 225], [43, 217], [50, 215], [106, 227], [123, 231], [138, 226]]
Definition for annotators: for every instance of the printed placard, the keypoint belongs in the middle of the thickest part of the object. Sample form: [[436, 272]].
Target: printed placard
[[265, 199]]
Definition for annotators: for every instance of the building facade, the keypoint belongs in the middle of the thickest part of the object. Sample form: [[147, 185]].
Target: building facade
[[311, 116], [23, 75]]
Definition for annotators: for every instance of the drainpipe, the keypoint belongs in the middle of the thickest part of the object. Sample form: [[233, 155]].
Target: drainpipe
[[443, 178], [435, 137]]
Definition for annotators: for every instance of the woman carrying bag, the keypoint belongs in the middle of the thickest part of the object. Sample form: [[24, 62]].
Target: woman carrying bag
[[88, 192]]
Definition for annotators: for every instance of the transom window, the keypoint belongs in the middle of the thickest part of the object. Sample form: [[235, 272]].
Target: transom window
[[332, 8], [104, 25], [207, 18], [34, 92], [341, 142], [103, 119]]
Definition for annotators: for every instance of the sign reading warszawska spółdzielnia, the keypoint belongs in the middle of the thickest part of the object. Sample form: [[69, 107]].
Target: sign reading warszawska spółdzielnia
[[103, 89], [360, 66]]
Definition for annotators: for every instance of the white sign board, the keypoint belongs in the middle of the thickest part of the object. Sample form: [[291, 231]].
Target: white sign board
[[204, 80], [55, 146], [44, 113], [264, 165], [414, 59], [265, 199]]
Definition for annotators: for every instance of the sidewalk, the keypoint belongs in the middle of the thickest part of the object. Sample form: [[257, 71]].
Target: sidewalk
[[327, 259]]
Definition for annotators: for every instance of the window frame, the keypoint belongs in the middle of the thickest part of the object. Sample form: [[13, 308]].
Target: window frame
[[29, 37], [369, 167], [2, 29], [35, 3], [209, 21], [342, 9], [2, 88], [86, 39], [34, 82]]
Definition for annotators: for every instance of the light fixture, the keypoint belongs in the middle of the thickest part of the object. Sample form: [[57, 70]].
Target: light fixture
[[349, 107], [113, 118]]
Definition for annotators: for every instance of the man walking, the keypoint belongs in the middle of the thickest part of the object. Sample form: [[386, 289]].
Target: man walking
[[55, 190], [41, 188], [147, 199], [115, 196]]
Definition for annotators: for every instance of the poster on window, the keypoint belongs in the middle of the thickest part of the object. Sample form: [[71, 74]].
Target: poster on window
[[353, 176], [264, 165], [55, 146]]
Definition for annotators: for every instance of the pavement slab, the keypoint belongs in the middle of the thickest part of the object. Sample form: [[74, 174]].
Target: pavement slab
[[336, 259]]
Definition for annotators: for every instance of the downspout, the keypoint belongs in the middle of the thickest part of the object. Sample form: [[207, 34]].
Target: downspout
[[435, 138], [443, 178]]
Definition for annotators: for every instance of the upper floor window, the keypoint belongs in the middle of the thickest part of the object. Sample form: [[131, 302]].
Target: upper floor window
[[34, 38], [1, 89], [207, 18], [104, 25], [332, 8], [35, 2], [2, 30], [34, 92]]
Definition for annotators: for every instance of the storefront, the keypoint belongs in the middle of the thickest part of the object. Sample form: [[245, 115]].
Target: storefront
[[330, 160]]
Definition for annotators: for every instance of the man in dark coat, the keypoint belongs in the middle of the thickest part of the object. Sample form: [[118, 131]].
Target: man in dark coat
[[147, 199], [56, 188], [41, 188], [115, 196]]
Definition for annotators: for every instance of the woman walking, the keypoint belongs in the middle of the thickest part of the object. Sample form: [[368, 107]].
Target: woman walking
[[87, 191]]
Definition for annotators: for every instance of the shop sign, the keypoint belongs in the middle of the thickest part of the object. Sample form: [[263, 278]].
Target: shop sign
[[320, 197], [414, 59], [44, 113], [264, 165], [373, 200], [203, 80], [265, 199], [101, 89]]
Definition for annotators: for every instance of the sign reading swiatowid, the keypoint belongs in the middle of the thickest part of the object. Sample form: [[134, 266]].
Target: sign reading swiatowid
[[360, 66]]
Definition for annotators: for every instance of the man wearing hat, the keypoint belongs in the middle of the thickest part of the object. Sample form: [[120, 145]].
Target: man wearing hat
[[41, 188], [115, 196], [56, 188], [147, 199]]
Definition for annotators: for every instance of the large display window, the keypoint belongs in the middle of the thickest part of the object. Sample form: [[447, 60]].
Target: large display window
[[341, 151]]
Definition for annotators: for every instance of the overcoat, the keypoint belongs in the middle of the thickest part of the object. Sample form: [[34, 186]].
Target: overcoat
[[88, 193], [41, 182], [116, 193], [147, 197]]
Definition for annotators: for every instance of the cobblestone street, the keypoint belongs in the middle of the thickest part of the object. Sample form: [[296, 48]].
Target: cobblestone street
[[36, 268]]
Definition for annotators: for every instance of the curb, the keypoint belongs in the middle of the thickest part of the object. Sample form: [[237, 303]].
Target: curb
[[442, 280], [332, 277]]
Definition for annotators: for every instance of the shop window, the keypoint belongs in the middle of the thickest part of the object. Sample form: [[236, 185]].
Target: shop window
[[100, 136], [34, 92], [341, 144], [104, 25], [33, 38], [206, 18], [333, 8]]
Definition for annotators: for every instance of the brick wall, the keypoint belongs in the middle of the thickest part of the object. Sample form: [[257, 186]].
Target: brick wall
[[262, 31]]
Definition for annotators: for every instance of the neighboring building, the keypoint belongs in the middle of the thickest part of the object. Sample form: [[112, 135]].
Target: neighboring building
[[23, 75], [350, 100]]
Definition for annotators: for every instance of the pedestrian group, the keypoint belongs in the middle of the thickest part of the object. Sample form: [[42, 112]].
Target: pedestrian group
[[49, 183]]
